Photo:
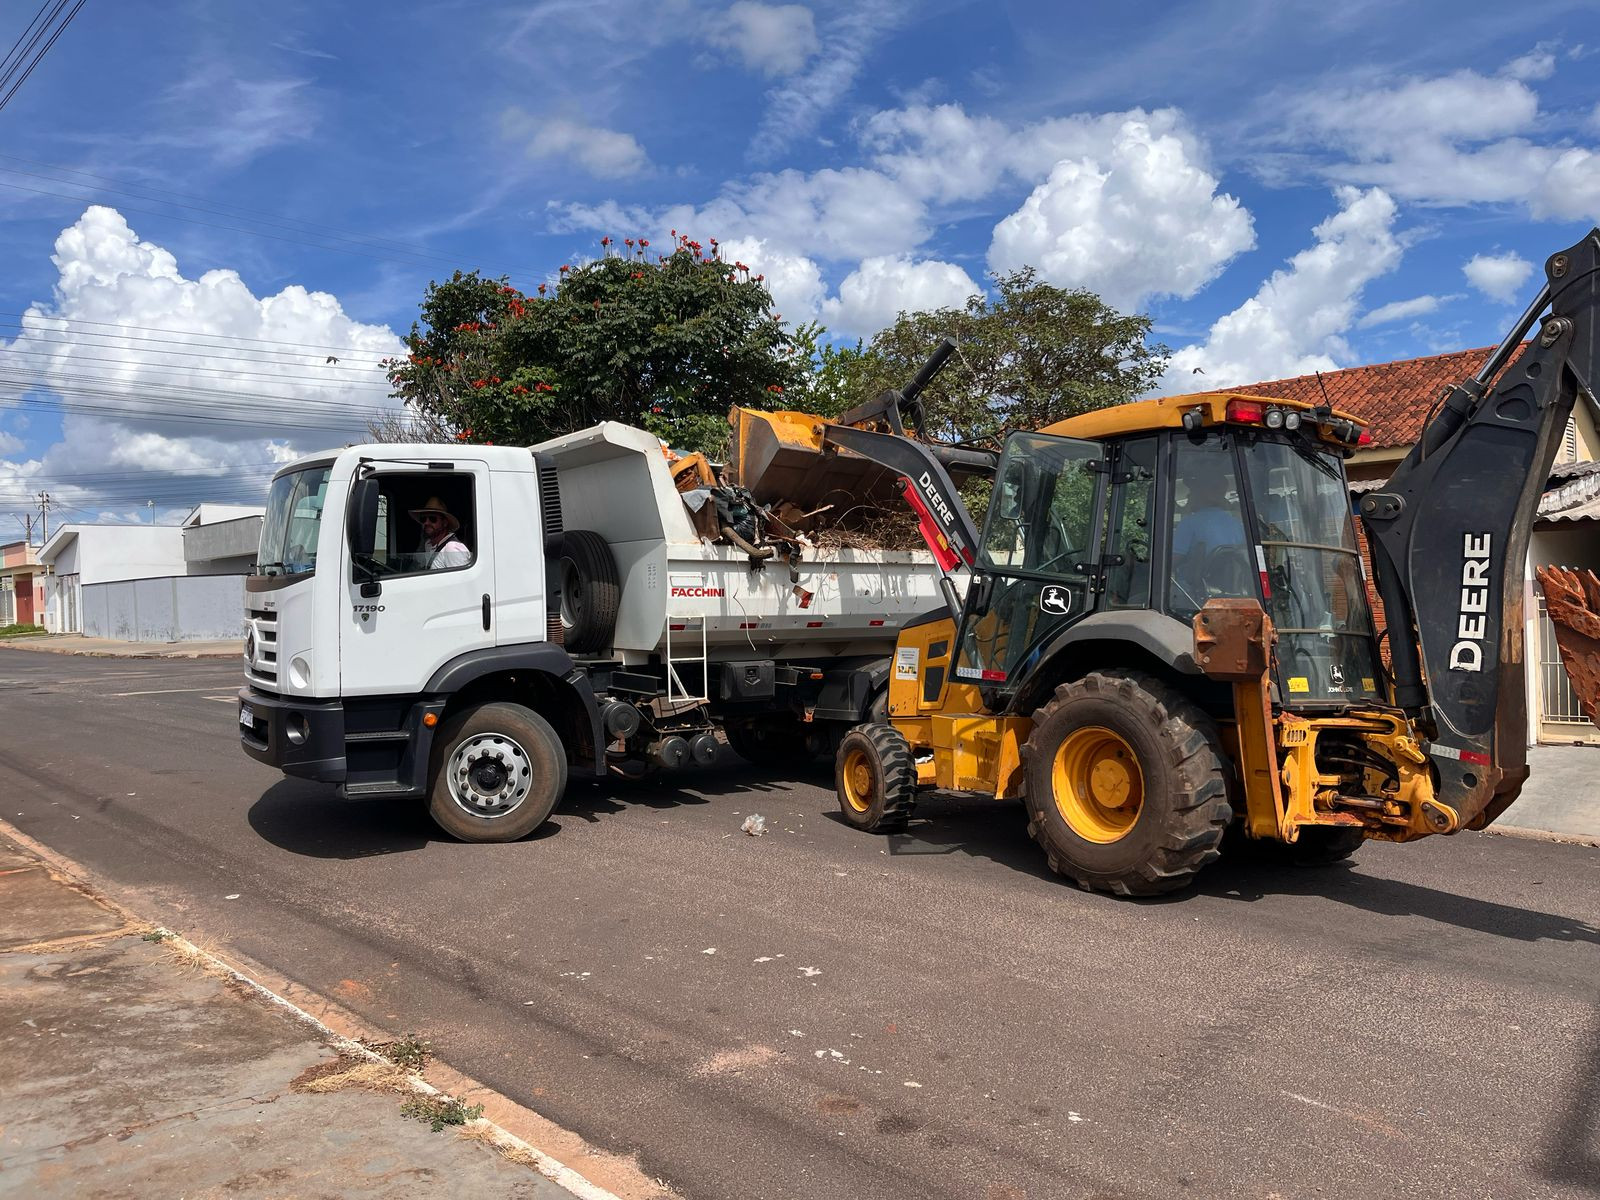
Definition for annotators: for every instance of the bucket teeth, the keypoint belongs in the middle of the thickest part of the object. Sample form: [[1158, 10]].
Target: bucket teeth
[[1572, 598]]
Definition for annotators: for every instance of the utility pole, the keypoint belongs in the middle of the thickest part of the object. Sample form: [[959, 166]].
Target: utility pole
[[44, 517]]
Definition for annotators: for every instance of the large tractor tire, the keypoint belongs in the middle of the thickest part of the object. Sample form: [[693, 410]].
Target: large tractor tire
[[590, 591], [876, 779], [1126, 784], [498, 772]]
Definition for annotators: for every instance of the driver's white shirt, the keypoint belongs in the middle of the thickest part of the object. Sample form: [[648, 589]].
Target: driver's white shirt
[[451, 552]]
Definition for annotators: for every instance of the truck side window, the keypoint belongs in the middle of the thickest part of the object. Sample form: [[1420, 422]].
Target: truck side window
[[426, 522]]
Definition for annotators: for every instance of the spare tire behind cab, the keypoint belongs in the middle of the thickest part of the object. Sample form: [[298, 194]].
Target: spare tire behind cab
[[586, 574]]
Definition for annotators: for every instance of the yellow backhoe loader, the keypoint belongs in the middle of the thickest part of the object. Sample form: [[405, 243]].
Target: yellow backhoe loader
[[1163, 629]]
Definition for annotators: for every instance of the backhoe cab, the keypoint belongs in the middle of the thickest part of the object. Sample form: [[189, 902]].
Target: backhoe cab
[[1164, 627]]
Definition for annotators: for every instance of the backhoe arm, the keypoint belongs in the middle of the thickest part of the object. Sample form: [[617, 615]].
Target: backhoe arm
[[1449, 535]]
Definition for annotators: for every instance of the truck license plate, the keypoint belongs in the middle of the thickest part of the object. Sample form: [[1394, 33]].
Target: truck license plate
[[247, 718]]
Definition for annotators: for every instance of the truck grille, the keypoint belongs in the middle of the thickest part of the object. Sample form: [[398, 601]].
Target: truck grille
[[263, 671]]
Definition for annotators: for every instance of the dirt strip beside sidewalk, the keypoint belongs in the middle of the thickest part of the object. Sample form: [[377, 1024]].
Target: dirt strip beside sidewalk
[[137, 1063]]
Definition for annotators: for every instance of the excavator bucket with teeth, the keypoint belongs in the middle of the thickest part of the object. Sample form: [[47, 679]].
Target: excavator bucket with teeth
[[1572, 598]]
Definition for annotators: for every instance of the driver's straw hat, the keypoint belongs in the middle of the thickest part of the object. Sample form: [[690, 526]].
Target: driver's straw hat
[[435, 505]]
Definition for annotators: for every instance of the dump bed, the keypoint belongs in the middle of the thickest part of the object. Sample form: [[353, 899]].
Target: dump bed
[[615, 481]]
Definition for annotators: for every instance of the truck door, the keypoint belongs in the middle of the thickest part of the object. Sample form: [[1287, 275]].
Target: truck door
[[415, 601], [1040, 554]]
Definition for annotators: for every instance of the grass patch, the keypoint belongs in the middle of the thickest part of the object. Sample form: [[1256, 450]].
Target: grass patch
[[340, 1073], [439, 1111], [410, 1052], [158, 935], [9, 631]]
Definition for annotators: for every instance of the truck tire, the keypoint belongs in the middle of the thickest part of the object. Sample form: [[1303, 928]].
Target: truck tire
[[1323, 846], [1125, 784], [590, 591], [498, 772], [876, 779]]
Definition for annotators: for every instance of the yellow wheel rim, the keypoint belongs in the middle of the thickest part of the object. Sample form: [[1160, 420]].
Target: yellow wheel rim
[[858, 782], [1098, 785]]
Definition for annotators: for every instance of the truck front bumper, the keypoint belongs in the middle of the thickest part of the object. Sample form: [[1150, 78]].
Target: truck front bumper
[[300, 737]]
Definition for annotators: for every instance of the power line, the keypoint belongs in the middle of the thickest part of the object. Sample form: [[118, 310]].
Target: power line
[[43, 50], [224, 337]]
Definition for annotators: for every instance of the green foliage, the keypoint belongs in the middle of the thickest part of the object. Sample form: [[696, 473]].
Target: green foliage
[[439, 1111], [669, 342], [1034, 355], [21, 630]]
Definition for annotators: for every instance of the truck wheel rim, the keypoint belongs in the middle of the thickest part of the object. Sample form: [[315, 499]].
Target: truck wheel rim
[[1099, 788], [858, 781], [489, 775]]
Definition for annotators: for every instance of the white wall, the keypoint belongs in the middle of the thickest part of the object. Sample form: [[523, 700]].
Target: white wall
[[112, 552], [177, 609]]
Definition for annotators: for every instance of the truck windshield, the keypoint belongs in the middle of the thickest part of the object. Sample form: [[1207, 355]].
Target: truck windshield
[[1317, 596], [293, 518]]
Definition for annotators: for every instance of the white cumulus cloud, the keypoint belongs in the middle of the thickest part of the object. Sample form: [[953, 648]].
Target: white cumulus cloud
[[880, 289], [605, 153], [1295, 322], [1451, 140], [775, 39], [1141, 220], [157, 372], [1498, 276], [1403, 310], [794, 280]]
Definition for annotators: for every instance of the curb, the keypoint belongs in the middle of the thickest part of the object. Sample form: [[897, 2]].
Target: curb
[[546, 1165], [139, 654], [1545, 835]]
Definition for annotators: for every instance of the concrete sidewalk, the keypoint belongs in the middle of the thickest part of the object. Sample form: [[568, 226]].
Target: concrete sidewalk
[[136, 1065], [76, 643], [1561, 797]]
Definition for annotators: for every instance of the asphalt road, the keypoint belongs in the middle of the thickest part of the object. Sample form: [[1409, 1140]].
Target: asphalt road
[[819, 1012]]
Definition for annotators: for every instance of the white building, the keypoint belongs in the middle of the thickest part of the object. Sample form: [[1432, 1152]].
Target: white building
[[152, 583]]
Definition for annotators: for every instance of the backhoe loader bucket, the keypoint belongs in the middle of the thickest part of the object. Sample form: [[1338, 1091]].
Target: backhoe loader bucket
[[779, 457], [1572, 599]]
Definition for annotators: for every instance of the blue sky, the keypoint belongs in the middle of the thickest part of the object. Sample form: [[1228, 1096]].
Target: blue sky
[[205, 203]]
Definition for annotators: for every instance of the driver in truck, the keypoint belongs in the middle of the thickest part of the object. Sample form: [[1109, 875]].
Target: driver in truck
[[441, 548]]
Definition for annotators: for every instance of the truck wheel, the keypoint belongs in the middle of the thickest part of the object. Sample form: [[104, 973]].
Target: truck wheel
[[875, 778], [1125, 784], [590, 591], [498, 771], [1322, 846]]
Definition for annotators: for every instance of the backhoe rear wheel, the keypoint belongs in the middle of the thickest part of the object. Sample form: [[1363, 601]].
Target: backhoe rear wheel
[[876, 778], [1126, 784]]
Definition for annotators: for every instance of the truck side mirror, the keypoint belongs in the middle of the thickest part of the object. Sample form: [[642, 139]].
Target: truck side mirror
[[361, 529]]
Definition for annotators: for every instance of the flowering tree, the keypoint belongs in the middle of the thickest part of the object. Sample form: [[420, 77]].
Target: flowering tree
[[666, 341]]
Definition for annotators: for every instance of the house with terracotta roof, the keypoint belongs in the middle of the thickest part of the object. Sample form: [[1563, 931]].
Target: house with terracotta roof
[[1396, 399]]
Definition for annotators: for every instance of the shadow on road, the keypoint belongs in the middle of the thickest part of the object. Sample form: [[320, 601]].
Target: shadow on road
[[310, 819], [1252, 873], [1572, 1155]]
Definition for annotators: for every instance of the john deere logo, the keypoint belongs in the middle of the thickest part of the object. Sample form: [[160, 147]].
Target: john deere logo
[[1055, 600]]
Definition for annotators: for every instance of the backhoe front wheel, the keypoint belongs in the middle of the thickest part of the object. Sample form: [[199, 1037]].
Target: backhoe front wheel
[[1125, 784], [876, 779]]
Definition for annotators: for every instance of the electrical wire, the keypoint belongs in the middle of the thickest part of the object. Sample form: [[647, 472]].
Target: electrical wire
[[37, 58]]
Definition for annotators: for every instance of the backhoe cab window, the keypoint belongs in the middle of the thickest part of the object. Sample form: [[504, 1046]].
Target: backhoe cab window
[[403, 545], [1210, 552], [1317, 596]]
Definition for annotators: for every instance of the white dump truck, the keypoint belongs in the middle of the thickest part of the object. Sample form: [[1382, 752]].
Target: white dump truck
[[586, 627]]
